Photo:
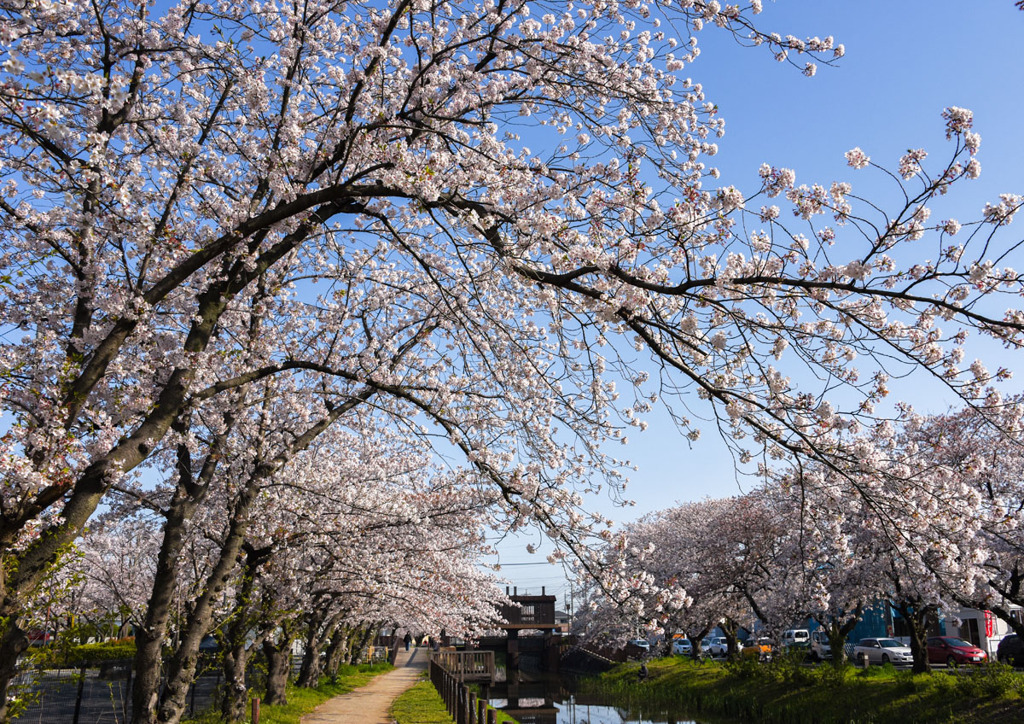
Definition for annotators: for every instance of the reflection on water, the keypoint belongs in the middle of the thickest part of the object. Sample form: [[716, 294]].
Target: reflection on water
[[572, 712], [550, 700]]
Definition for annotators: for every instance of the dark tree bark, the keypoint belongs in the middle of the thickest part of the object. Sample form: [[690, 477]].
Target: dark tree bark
[[837, 630], [13, 643], [279, 661], [695, 642], [729, 630], [336, 652], [237, 646], [151, 636], [319, 631], [918, 616]]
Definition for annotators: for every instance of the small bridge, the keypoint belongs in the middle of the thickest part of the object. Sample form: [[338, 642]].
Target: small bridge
[[465, 665]]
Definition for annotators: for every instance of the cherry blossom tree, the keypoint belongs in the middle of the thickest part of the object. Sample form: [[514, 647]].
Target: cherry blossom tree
[[685, 544], [353, 531], [482, 213], [982, 463], [830, 562], [117, 559], [686, 569]]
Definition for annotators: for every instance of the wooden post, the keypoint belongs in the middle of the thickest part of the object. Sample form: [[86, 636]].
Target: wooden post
[[460, 714], [481, 711], [492, 716], [471, 719], [256, 710]]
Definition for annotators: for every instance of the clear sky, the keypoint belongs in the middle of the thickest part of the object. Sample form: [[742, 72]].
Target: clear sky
[[905, 61]]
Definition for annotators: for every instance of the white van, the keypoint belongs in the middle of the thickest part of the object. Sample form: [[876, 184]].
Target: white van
[[796, 638], [821, 649]]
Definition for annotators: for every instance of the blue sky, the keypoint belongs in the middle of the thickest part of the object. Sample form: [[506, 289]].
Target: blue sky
[[905, 61]]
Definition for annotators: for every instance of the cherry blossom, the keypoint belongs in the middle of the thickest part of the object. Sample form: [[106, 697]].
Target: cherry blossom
[[228, 227]]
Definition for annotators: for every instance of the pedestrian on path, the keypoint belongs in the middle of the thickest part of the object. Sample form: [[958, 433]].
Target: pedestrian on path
[[408, 640]]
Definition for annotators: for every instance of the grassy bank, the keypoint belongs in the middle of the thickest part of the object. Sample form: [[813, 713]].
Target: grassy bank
[[787, 693], [302, 701], [423, 705]]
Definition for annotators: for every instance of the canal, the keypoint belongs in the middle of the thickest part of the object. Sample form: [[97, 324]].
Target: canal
[[537, 698]]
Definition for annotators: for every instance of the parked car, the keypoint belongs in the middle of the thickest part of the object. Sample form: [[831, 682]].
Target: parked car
[[821, 649], [1011, 650], [715, 646], [640, 644], [953, 651], [761, 648], [796, 638], [683, 647], [883, 651]]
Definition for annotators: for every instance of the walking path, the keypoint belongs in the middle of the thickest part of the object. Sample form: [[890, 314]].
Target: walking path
[[369, 704]]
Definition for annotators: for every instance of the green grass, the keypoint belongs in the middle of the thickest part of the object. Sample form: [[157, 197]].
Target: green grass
[[420, 705], [423, 705], [785, 692], [302, 701]]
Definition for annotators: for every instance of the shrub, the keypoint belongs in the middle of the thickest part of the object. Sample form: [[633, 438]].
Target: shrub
[[744, 667], [86, 654], [990, 680]]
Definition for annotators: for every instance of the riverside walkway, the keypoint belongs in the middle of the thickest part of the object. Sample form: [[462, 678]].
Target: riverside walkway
[[369, 704]]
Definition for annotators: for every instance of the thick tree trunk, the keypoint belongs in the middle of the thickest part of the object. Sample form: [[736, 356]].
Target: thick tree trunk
[[837, 634], [279, 661], [918, 618], [311, 670], [151, 636], [312, 661], [336, 652], [13, 643], [729, 630], [837, 631], [695, 642], [918, 646], [236, 642], [234, 692], [182, 667], [309, 673]]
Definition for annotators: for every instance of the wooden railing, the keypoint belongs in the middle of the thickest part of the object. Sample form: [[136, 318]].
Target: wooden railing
[[462, 704], [466, 665]]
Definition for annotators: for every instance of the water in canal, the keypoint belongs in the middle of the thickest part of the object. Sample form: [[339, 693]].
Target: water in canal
[[547, 699]]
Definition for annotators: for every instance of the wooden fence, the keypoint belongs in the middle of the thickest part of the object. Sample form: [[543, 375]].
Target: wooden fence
[[466, 665], [463, 705]]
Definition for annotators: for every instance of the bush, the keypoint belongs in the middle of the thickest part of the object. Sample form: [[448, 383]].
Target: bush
[[86, 654], [989, 680], [744, 667]]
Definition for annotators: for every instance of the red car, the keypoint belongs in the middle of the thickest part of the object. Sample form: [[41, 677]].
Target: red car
[[953, 651]]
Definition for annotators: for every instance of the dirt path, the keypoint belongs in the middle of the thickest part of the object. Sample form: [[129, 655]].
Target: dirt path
[[369, 704]]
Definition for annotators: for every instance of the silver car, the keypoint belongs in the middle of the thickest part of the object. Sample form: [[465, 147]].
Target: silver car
[[715, 646], [883, 651]]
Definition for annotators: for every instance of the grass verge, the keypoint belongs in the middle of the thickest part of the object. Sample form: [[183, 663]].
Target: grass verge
[[302, 701], [423, 705], [787, 693]]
